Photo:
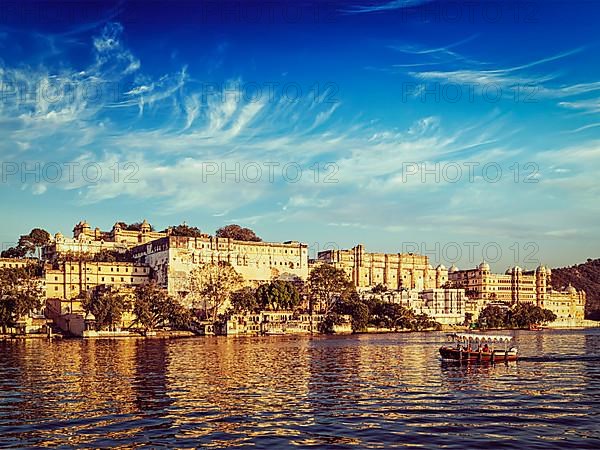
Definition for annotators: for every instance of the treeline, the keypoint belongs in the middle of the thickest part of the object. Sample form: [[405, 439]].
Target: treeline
[[521, 315], [150, 305], [20, 294], [584, 277]]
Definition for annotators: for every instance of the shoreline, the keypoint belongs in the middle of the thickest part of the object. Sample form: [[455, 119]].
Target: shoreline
[[158, 334]]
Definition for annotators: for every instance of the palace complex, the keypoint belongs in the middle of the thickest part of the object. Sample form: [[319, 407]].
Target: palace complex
[[394, 270], [127, 256], [516, 286]]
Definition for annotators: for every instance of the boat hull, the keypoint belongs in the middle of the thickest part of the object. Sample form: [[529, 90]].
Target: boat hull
[[495, 356]]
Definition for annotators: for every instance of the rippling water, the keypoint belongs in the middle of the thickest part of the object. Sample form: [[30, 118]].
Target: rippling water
[[366, 391]]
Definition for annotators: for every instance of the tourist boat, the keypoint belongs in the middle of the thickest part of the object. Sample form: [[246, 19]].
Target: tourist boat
[[479, 347]]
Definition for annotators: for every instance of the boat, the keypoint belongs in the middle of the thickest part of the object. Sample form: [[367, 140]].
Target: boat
[[479, 347], [535, 327]]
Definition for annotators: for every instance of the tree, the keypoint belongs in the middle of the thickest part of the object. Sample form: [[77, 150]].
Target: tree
[[379, 289], [14, 252], [326, 286], [107, 305], [136, 226], [34, 241], [184, 230], [391, 315], [492, 316], [244, 300], [523, 315], [238, 233], [353, 306], [549, 316], [20, 294], [212, 285], [107, 255], [153, 307], [424, 322], [278, 295]]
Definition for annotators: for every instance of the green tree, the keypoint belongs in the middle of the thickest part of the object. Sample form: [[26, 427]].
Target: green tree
[[379, 289], [107, 305], [14, 252], [20, 294], [391, 315], [524, 315], [154, 307], [326, 286], [358, 310], [238, 233], [424, 322], [136, 226], [33, 242], [278, 295], [184, 230], [492, 316], [549, 316], [212, 286], [244, 300]]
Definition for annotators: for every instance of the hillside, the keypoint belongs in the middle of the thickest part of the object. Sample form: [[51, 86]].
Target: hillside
[[584, 276]]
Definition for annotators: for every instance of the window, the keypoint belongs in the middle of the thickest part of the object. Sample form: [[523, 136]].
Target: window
[[112, 279], [56, 288], [122, 279], [102, 278]]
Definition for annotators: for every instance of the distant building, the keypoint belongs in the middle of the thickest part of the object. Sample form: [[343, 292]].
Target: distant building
[[393, 270], [444, 305], [278, 322], [566, 304], [70, 317], [14, 263], [88, 241], [516, 286], [172, 259], [67, 279]]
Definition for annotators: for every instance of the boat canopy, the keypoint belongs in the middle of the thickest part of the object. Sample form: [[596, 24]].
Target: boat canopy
[[481, 337]]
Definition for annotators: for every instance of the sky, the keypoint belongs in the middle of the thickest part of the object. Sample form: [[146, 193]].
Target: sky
[[463, 131]]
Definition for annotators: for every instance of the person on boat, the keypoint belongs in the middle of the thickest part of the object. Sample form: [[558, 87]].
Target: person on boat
[[486, 348]]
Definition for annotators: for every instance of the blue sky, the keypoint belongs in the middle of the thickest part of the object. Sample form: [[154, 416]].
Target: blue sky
[[463, 131]]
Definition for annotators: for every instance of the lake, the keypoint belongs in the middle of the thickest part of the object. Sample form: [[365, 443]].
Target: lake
[[359, 391]]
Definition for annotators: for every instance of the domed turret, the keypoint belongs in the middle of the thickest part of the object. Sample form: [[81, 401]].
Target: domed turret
[[440, 268], [453, 268], [541, 269], [145, 227], [58, 236], [484, 267], [571, 289]]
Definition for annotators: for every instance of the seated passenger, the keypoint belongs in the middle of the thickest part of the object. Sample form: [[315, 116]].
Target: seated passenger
[[486, 348]]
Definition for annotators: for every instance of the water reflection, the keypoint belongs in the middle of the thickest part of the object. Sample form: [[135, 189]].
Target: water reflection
[[366, 391]]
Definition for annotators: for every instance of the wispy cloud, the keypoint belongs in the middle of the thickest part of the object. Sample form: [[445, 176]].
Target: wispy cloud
[[386, 6], [354, 172]]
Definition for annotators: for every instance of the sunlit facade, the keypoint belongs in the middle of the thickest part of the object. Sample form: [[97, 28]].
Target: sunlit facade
[[393, 270]]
